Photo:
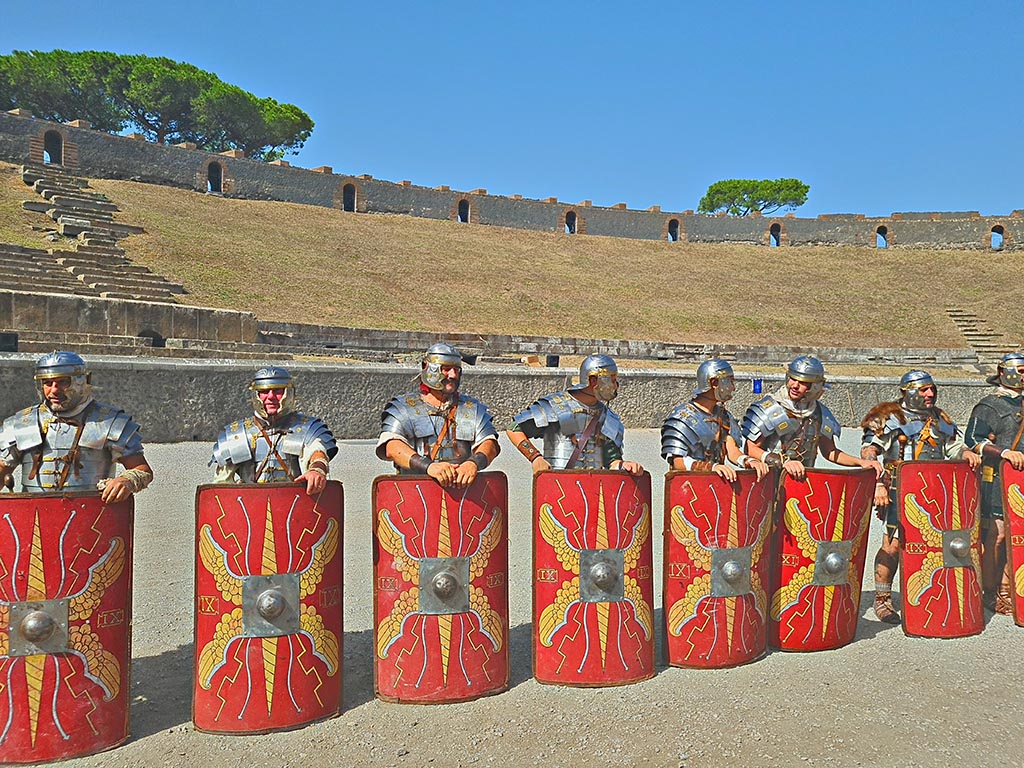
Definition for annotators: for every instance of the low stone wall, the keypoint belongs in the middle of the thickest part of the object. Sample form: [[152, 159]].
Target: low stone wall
[[191, 400], [122, 317]]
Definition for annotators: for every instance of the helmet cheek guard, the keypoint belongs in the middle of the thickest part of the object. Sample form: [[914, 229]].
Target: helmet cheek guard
[[435, 359], [272, 377], [65, 365], [726, 389], [1010, 370], [607, 387]]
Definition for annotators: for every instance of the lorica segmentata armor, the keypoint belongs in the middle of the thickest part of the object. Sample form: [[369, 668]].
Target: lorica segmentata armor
[[561, 420], [409, 419], [68, 454], [259, 452], [690, 432], [792, 436]]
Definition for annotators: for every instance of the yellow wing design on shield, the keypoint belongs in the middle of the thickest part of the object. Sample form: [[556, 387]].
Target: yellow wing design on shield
[[489, 540], [212, 656], [918, 517], [390, 627], [686, 608], [554, 533], [325, 642], [685, 535], [323, 552], [641, 532], [555, 615], [106, 571], [100, 664], [798, 525], [215, 560], [393, 542]]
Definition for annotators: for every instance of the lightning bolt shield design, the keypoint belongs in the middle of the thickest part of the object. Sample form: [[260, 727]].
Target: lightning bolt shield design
[[593, 583], [268, 606], [65, 624], [440, 589], [820, 541], [940, 559], [716, 568]]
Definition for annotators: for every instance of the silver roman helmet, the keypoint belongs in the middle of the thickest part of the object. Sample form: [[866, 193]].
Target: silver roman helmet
[[1009, 371], [440, 354], [57, 365], [273, 377], [715, 370], [911, 384], [809, 370], [604, 367]]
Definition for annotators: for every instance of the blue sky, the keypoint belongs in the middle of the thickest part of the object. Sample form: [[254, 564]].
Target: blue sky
[[879, 106]]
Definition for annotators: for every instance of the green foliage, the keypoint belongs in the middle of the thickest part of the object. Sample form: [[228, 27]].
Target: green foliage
[[741, 197], [167, 101]]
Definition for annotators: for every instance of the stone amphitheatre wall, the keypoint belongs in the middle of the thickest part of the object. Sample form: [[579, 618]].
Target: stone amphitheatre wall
[[192, 399], [100, 155]]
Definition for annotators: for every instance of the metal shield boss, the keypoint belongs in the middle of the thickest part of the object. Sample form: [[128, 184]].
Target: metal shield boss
[[593, 589], [440, 588], [268, 606], [820, 544], [940, 560], [715, 594], [1013, 517], [65, 625]]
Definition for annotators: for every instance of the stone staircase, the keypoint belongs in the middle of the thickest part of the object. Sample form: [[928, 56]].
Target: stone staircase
[[98, 265], [990, 344]]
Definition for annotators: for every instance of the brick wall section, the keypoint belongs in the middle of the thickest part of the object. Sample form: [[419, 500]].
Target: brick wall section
[[101, 155]]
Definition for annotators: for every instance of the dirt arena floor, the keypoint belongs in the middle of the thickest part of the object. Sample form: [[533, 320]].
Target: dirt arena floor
[[884, 700]]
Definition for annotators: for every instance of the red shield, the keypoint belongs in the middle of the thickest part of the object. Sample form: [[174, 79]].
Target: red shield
[[716, 568], [1013, 516], [440, 588], [820, 545], [268, 606], [940, 560], [593, 589], [65, 625]]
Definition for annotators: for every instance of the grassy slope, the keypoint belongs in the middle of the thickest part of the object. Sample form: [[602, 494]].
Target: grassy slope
[[304, 263]]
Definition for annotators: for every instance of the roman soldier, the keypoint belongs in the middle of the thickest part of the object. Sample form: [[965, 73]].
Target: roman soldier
[[790, 427], [701, 434], [439, 431], [579, 429], [994, 430], [69, 441], [912, 428], [276, 444]]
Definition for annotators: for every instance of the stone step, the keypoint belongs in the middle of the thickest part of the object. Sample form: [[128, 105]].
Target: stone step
[[73, 338], [36, 206], [73, 260], [106, 282], [78, 203], [119, 294], [87, 267], [100, 218], [99, 250], [31, 174]]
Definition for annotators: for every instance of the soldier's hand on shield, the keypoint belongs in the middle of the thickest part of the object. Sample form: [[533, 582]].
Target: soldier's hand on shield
[[113, 490], [724, 471], [795, 469], [1016, 459], [465, 473], [759, 467], [540, 464], [634, 467], [881, 498], [315, 481], [6, 477], [444, 472], [873, 464], [973, 460]]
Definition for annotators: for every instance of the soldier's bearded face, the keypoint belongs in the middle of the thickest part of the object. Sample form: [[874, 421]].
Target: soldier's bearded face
[[451, 377], [55, 393]]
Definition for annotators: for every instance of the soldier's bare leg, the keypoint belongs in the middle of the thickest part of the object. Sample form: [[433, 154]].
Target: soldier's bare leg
[[994, 572], [886, 562]]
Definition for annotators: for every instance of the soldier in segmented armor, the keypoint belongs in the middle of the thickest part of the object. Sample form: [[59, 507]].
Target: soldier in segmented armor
[[994, 430], [578, 428], [69, 441], [277, 444], [790, 428], [701, 435], [909, 429], [438, 431]]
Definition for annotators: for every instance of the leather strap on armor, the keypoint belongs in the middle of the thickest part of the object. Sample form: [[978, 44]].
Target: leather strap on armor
[[584, 438], [272, 444], [448, 426]]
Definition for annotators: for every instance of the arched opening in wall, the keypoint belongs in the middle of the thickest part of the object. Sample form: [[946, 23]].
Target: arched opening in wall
[[773, 235], [53, 148], [157, 339], [673, 230], [464, 211], [348, 198], [214, 178], [882, 237], [997, 236], [570, 223]]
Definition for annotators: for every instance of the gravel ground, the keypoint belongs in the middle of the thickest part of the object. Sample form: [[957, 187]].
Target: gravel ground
[[885, 699]]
